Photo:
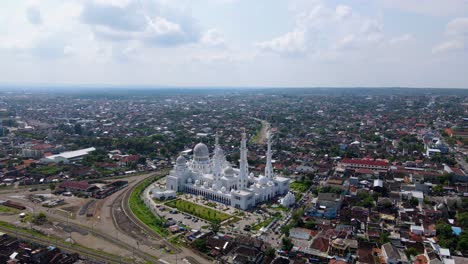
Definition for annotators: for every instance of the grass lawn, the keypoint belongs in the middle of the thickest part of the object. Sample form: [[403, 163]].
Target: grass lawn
[[6, 209], [47, 170], [299, 186], [278, 208], [262, 224], [143, 213], [198, 210]]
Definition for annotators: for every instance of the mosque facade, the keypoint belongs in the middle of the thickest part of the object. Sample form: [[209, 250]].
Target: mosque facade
[[212, 177]]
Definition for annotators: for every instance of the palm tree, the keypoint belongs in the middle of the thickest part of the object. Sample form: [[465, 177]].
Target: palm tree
[[215, 226]]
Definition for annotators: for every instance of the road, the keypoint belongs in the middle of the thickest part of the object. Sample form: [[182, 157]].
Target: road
[[106, 227], [181, 253], [262, 134]]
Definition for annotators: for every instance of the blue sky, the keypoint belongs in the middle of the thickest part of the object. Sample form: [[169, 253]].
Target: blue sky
[[273, 43]]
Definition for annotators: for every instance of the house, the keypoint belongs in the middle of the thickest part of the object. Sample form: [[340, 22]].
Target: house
[[373, 165], [393, 255], [244, 254], [326, 205], [418, 230], [81, 187], [129, 160]]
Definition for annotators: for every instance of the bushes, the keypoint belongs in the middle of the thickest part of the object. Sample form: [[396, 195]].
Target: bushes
[[142, 212]]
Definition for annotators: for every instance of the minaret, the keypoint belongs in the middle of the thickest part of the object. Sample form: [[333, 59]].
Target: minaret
[[269, 166], [217, 159], [243, 164]]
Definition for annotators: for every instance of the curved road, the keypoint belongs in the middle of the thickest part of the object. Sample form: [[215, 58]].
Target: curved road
[[181, 253]]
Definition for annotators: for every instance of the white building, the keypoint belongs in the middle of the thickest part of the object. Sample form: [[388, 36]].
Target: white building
[[288, 200], [67, 157], [214, 178]]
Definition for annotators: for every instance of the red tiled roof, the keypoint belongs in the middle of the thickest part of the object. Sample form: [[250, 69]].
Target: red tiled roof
[[320, 243], [80, 185], [130, 158], [365, 162], [43, 146]]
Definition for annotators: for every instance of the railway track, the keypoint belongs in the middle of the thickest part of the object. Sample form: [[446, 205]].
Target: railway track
[[128, 212], [64, 246], [109, 238]]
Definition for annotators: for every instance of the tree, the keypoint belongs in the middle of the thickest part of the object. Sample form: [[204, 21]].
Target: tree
[[438, 189], [200, 244], [270, 252], [286, 244], [384, 238], [78, 130], [52, 186], [445, 236], [463, 219], [215, 225], [39, 219], [411, 252], [414, 201]]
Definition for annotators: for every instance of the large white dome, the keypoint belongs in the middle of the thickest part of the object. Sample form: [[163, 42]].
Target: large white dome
[[201, 150], [229, 172]]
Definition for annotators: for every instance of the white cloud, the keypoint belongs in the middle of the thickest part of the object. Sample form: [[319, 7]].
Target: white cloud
[[213, 38], [151, 22], [320, 29], [458, 27], [402, 39], [291, 43], [449, 46], [457, 32], [343, 11]]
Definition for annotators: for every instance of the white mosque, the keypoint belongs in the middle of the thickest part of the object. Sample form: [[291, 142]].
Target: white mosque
[[215, 179]]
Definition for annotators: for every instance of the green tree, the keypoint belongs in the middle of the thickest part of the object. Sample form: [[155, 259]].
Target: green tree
[[411, 252], [463, 220], [52, 186], [286, 244], [78, 129], [215, 225], [200, 244], [414, 201], [270, 252], [39, 219]]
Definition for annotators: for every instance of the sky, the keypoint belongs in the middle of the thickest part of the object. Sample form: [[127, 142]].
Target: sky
[[235, 43]]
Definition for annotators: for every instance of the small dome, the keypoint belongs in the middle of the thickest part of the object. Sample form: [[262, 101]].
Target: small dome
[[181, 160], [205, 184], [229, 171], [262, 180], [189, 180], [214, 186], [338, 242], [201, 150], [197, 182], [223, 189]]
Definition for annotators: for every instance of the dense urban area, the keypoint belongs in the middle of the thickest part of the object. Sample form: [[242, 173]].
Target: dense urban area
[[376, 176]]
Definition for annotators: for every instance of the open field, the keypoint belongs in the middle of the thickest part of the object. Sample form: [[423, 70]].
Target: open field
[[198, 210], [299, 186]]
